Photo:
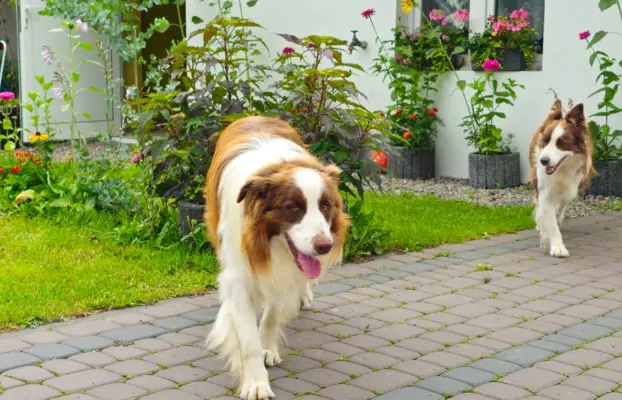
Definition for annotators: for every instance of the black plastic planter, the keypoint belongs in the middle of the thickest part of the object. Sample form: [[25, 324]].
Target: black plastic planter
[[494, 171], [408, 164], [609, 179]]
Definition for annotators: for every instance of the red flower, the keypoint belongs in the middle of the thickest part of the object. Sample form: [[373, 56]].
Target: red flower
[[294, 111], [413, 116], [1, 170], [380, 158], [382, 113], [16, 169], [288, 51], [431, 112], [491, 65], [303, 110], [435, 109], [584, 35], [368, 13], [407, 135], [398, 112]]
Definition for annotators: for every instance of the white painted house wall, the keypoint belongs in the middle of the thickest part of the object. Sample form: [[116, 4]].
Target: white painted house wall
[[565, 64]]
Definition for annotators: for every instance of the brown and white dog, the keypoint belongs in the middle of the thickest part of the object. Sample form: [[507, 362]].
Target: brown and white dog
[[560, 155], [274, 215]]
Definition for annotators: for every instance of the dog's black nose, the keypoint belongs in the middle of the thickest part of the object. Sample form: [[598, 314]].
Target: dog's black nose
[[545, 161], [323, 246]]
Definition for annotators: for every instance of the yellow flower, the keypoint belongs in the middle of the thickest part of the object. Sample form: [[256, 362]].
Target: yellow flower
[[178, 115], [407, 6], [494, 33], [38, 137]]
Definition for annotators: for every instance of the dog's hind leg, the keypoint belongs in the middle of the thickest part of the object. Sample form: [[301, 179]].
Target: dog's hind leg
[[235, 335]]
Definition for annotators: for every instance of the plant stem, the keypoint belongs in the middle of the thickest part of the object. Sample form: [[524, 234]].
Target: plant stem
[[244, 33], [72, 103], [181, 23]]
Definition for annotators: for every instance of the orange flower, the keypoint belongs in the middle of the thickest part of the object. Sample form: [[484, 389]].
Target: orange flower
[[382, 113], [413, 116], [294, 110], [398, 112], [435, 109], [431, 112], [1, 170], [407, 135], [303, 110], [16, 169]]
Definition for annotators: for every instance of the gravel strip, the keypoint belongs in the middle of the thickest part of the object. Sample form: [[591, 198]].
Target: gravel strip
[[453, 188], [97, 149]]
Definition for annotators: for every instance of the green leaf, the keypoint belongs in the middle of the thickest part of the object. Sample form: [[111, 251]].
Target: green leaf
[[605, 4], [251, 3], [461, 85], [87, 116], [75, 76], [6, 124], [598, 36], [160, 25], [97, 90], [196, 20], [9, 146], [458, 50], [86, 46]]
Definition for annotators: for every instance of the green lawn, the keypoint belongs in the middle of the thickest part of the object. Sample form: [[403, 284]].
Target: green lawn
[[415, 222], [49, 271]]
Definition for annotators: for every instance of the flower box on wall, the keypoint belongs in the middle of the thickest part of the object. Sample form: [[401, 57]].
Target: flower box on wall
[[494, 171], [608, 182], [406, 163], [511, 60]]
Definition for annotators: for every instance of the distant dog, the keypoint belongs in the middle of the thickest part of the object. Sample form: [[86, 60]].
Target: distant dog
[[560, 154], [274, 215]]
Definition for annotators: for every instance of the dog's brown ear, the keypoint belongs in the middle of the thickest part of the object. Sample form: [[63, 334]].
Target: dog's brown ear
[[333, 172], [255, 186], [555, 112], [576, 115]]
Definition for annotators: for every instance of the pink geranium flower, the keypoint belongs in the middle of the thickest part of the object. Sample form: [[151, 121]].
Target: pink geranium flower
[[6, 96], [368, 13], [584, 35], [491, 65], [519, 14], [136, 158], [288, 51], [437, 15], [461, 15]]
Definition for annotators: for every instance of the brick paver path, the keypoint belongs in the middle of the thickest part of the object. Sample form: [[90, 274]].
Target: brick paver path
[[488, 319]]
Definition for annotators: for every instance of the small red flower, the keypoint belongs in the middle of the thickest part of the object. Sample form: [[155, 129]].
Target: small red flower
[[288, 51], [16, 169], [430, 112], [294, 111], [1, 170], [380, 158], [407, 135], [368, 13], [584, 35], [413, 116], [303, 110], [435, 109], [382, 114], [398, 112]]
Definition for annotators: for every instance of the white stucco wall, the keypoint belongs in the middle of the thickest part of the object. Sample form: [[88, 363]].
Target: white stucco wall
[[565, 61]]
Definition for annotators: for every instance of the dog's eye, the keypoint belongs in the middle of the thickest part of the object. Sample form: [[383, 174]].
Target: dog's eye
[[293, 208]]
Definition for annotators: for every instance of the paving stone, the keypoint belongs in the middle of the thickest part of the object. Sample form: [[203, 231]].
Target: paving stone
[[87, 328], [475, 396], [29, 374], [152, 345], [446, 360], [117, 391], [469, 350], [562, 392], [611, 396], [495, 366], [89, 343], [204, 389], [609, 345], [170, 308], [323, 377], [175, 356], [524, 355], [410, 393], [583, 357], [559, 368], [394, 315], [341, 392], [64, 367], [298, 364], [514, 335], [29, 392], [151, 383], [533, 379], [612, 323], [544, 306], [365, 341], [178, 338], [84, 380], [605, 373], [590, 384], [132, 333], [562, 320], [174, 324], [172, 395], [450, 300], [502, 391], [132, 368], [15, 360], [341, 348], [445, 318], [584, 312], [383, 381], [9, 383], [295, 386], [124, 352], [331, 288], [373, 360], [183, 373], [397, 332], [550, 346], [542, 327], [586, 332], [491, 344], [494, 321], [471, 310], [41, 337], [52, 351], [565, 340], [443, 385], [93, 359], [348, 368], [472, 376], [305, 340], [130, 318]]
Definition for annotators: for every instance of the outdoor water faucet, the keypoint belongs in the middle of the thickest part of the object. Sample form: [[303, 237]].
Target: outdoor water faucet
[[356, 42]]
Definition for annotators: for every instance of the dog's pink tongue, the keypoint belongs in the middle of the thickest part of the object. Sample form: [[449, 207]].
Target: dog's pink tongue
[[310, 265]]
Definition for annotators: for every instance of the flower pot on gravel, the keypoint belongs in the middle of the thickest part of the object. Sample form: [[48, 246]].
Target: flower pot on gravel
[[189, 215], [406, 163], [608, 182], [494, 171]]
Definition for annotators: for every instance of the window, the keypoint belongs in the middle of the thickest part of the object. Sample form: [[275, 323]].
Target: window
[[447, 7], [536, 15]]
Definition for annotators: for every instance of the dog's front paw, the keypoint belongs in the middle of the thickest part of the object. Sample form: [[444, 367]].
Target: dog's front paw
[[307, 299], [559, 251], [271, 357], [256, 390], [544, 241]]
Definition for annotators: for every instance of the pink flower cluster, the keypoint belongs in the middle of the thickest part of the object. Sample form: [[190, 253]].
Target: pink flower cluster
[[438, 15], [517, 22], [584, 35], [6, 96], [461, 15], [413, 36], [491, 65], [288, 51], [519, 14], [402, 60]]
